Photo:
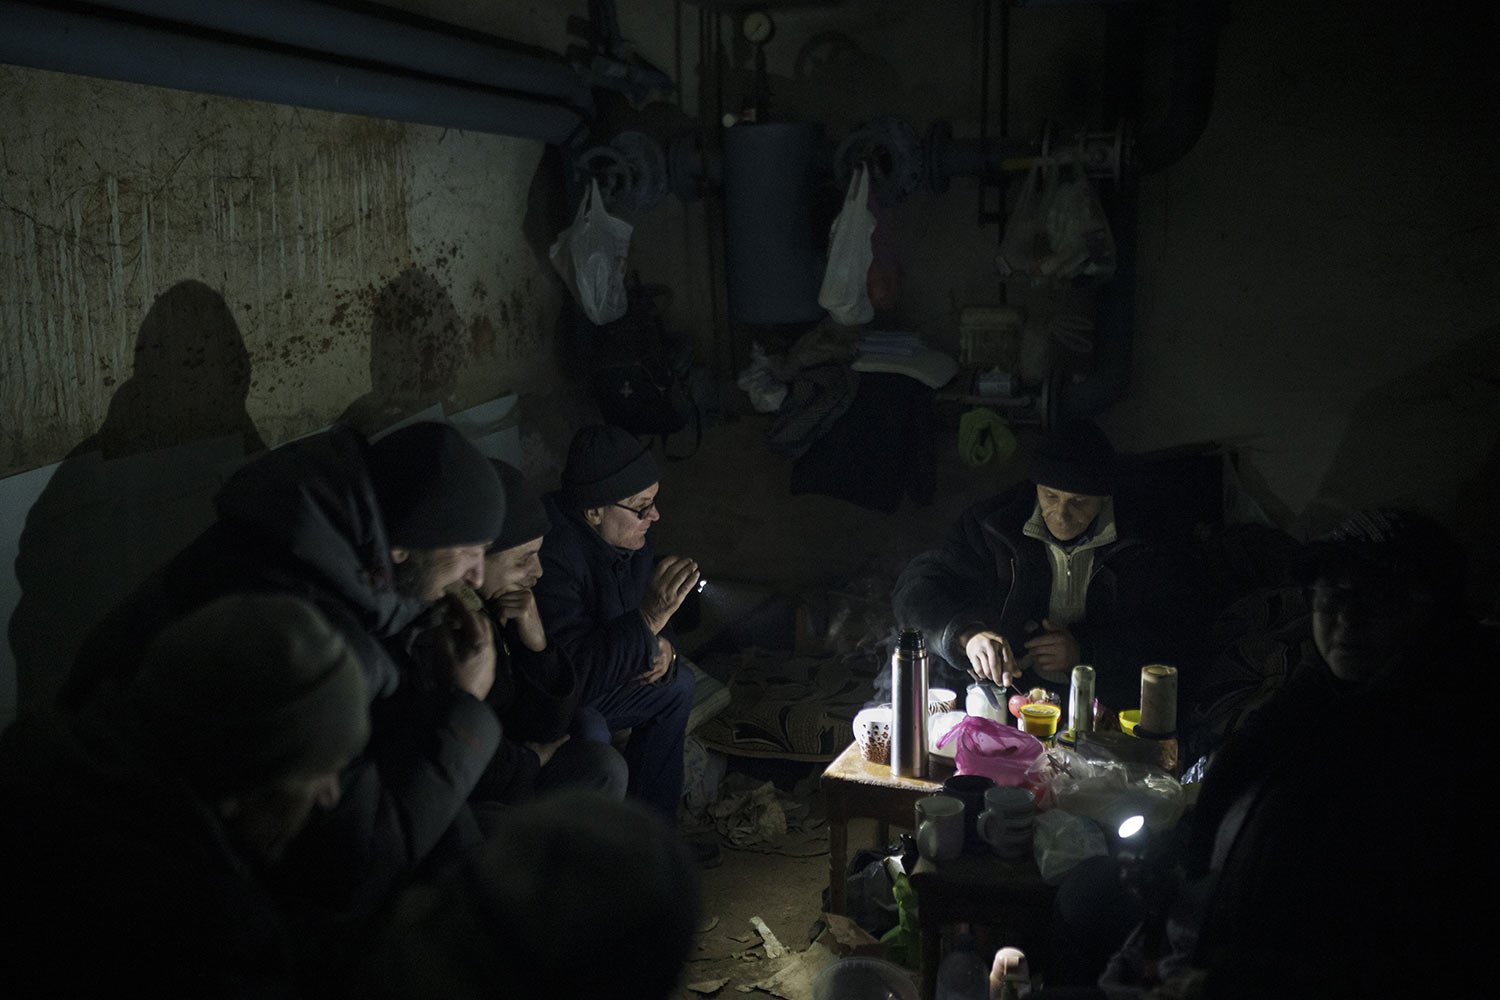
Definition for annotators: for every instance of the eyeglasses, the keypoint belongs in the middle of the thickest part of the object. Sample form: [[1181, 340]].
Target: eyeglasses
[[641, 513]]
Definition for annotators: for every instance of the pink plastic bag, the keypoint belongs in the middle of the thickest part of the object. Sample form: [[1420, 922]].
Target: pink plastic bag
[[998, 752]]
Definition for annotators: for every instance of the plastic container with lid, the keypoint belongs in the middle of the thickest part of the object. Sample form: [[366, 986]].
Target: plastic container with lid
[[977, 703]]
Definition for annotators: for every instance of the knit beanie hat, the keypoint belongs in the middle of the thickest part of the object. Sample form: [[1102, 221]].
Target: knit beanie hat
[[606, 464], [525, 516], [248, 689], [1076, 458], [435, 488], [1402, 550]]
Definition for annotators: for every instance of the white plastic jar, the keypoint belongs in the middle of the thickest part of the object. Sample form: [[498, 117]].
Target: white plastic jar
[[975, 702]]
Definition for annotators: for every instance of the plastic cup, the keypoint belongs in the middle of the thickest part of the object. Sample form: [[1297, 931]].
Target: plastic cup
[[1040, 719], [872, 731]]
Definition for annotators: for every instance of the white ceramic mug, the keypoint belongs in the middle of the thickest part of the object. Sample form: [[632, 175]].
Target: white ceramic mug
[[1006, 821], [940, 827]]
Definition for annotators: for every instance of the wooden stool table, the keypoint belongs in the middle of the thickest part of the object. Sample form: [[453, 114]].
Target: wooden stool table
[[853, 786]]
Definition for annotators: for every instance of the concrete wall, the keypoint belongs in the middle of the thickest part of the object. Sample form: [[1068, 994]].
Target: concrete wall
[[311, 234], [1317, 274], [184, 279]]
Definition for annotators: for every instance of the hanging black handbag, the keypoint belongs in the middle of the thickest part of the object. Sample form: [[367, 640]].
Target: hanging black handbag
[[639, 374]]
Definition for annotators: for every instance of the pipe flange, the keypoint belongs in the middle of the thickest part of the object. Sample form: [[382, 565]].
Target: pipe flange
[[631, 171], [609, 168], [648, 169], [890, 146], [1102, 153]]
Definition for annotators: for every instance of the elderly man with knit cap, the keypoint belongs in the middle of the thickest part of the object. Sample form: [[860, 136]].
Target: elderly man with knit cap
[[606, 600], [374, 535], [135, 838], [1046, 576]]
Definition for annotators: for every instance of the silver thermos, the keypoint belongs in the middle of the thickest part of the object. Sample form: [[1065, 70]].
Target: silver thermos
[[909, 706]]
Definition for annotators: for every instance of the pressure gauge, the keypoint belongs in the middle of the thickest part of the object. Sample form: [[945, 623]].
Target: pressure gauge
[[757, 27]]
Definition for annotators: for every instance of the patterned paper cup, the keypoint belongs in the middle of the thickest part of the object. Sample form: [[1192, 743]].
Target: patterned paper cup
[[872, 731]]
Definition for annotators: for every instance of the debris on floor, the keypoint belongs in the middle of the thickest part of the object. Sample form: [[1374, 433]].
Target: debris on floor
[[774, 947], [750, 817], [844, 937], [754, 815], [794, 980], [709, 986]]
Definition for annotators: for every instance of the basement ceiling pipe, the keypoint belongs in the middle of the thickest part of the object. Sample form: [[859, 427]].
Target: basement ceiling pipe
[[91, 40], [1195, 61], [370, 33]]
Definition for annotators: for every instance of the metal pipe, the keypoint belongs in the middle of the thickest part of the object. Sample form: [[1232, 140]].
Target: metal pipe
[[390, 38], [1194, 66], [101, 43], [1191, 101]]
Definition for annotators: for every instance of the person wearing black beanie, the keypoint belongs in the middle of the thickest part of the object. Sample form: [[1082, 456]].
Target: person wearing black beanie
[[152, 829], [1043, 578], [607, 601], [442, 503], [546, 741], [374, 535]]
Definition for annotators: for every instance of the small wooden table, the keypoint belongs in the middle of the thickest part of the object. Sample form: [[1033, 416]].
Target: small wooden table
[[979, 889], [853, 786]]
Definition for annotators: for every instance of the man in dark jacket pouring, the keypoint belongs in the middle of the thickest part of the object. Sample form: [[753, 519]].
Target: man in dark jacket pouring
[[1043, 577]]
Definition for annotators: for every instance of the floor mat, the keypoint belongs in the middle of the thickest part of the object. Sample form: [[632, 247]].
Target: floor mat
[[789, 707]]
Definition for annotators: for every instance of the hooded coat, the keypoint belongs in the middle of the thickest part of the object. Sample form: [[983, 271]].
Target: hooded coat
[[304, 519]]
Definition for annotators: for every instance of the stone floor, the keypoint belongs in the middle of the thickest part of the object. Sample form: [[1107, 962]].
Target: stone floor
[[784, 890]]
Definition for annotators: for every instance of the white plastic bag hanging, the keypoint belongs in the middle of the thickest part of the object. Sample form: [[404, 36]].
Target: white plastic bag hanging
[[1058, 231], [590, 255], [845, 292]]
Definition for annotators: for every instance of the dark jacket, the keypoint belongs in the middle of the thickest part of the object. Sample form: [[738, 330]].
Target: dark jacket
[[304, 519], [119, 881], [534, 695], [988, 575], [590, 597]]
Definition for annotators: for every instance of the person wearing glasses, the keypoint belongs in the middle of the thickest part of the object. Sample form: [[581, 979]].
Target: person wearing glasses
[[606, 600]]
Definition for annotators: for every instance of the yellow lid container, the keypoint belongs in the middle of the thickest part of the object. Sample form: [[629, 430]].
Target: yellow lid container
[[1040, 719], [1129, 719]]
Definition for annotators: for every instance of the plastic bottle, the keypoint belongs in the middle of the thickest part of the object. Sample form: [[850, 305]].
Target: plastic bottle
[[963, 975], [909, 706], [1081, 700]]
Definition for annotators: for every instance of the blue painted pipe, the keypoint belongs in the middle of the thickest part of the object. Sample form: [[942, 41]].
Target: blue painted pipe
[[408, 43], [100, 43]]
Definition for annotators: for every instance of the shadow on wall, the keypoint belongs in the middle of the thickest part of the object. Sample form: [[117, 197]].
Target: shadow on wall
[[418, 345], [138, 489], [1430, 440]]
